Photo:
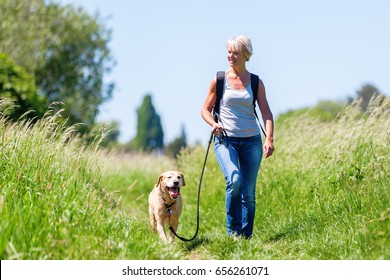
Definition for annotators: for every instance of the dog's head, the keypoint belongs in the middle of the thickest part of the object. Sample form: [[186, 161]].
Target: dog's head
[[171, 181]]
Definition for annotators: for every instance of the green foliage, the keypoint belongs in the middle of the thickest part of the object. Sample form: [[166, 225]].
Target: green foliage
[[173, 149], [325, 110], [150, 135], [18, 86], [329, 184], [53, 201], [65, 49], [25, 31], [107, 133]]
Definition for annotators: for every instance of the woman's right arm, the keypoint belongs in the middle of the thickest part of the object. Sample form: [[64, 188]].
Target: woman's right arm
[[208, 108]]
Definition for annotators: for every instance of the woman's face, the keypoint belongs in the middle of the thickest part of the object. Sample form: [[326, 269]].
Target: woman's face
[[235, 58]]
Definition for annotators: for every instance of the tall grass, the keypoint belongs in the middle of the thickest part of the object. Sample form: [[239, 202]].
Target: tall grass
[[324, 194], [54, 202]]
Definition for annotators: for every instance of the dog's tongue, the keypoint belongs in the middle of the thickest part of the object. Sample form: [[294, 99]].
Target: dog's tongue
[[174, 192]]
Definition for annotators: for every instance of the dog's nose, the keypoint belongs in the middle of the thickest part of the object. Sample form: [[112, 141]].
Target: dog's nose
[[176, 183]]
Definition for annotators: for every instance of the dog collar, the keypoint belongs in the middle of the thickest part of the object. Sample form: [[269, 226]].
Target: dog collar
[[166, 204], [169, 207]]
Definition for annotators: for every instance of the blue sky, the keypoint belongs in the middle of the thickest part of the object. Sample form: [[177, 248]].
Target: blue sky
[[304, 51]]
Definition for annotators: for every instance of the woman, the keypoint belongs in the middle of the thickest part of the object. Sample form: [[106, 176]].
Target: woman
[[238, 144]]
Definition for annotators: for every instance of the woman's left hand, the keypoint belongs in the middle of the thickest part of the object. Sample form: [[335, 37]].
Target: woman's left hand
[[268, 148]]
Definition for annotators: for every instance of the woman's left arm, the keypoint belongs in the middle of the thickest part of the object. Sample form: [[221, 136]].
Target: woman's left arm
[[267, 118]]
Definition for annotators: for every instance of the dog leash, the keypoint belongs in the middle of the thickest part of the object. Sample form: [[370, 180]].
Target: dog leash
[[198, 203]]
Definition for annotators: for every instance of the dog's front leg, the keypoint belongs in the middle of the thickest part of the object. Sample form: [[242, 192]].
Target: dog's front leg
[[161, 232], [174, 224], [152, 218]]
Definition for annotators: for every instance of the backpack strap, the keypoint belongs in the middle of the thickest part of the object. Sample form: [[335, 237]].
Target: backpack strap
[[255, 81], [255, 86], [219, 91]]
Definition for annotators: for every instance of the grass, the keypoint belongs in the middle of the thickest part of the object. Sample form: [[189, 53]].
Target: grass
[[324, 194]]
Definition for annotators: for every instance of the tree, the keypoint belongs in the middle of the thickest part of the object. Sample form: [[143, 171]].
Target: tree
[[65, 49], [16, 84], [150, 135], [173, 149], [366, 93]]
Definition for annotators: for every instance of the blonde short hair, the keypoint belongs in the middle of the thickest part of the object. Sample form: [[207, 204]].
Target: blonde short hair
[[241, 44]]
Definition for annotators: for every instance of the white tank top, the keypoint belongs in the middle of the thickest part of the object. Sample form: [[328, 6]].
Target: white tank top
[[236, 111]]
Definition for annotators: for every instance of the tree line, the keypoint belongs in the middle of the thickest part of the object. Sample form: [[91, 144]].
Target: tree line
[[55, 55], [63, 50]]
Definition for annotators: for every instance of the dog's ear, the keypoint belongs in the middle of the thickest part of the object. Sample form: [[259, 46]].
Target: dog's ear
[[182, 176], [160, 180]]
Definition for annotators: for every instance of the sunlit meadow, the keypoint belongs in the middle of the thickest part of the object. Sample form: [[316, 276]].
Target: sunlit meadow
[[324, 194]]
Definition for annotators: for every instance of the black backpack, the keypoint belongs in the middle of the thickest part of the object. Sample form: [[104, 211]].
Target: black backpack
[[219, 88]]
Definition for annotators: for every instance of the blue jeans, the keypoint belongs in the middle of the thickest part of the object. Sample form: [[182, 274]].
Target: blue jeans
[[239, 160]]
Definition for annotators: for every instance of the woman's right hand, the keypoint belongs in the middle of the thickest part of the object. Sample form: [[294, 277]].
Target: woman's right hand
[[217, 129]]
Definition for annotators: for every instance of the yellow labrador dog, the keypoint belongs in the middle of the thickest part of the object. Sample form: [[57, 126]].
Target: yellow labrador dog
[[165, 203]]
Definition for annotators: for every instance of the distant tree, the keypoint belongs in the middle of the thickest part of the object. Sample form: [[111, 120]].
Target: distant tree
[[173, 149], [366, 93], [150, 135], [65, 49], [17, 85]]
